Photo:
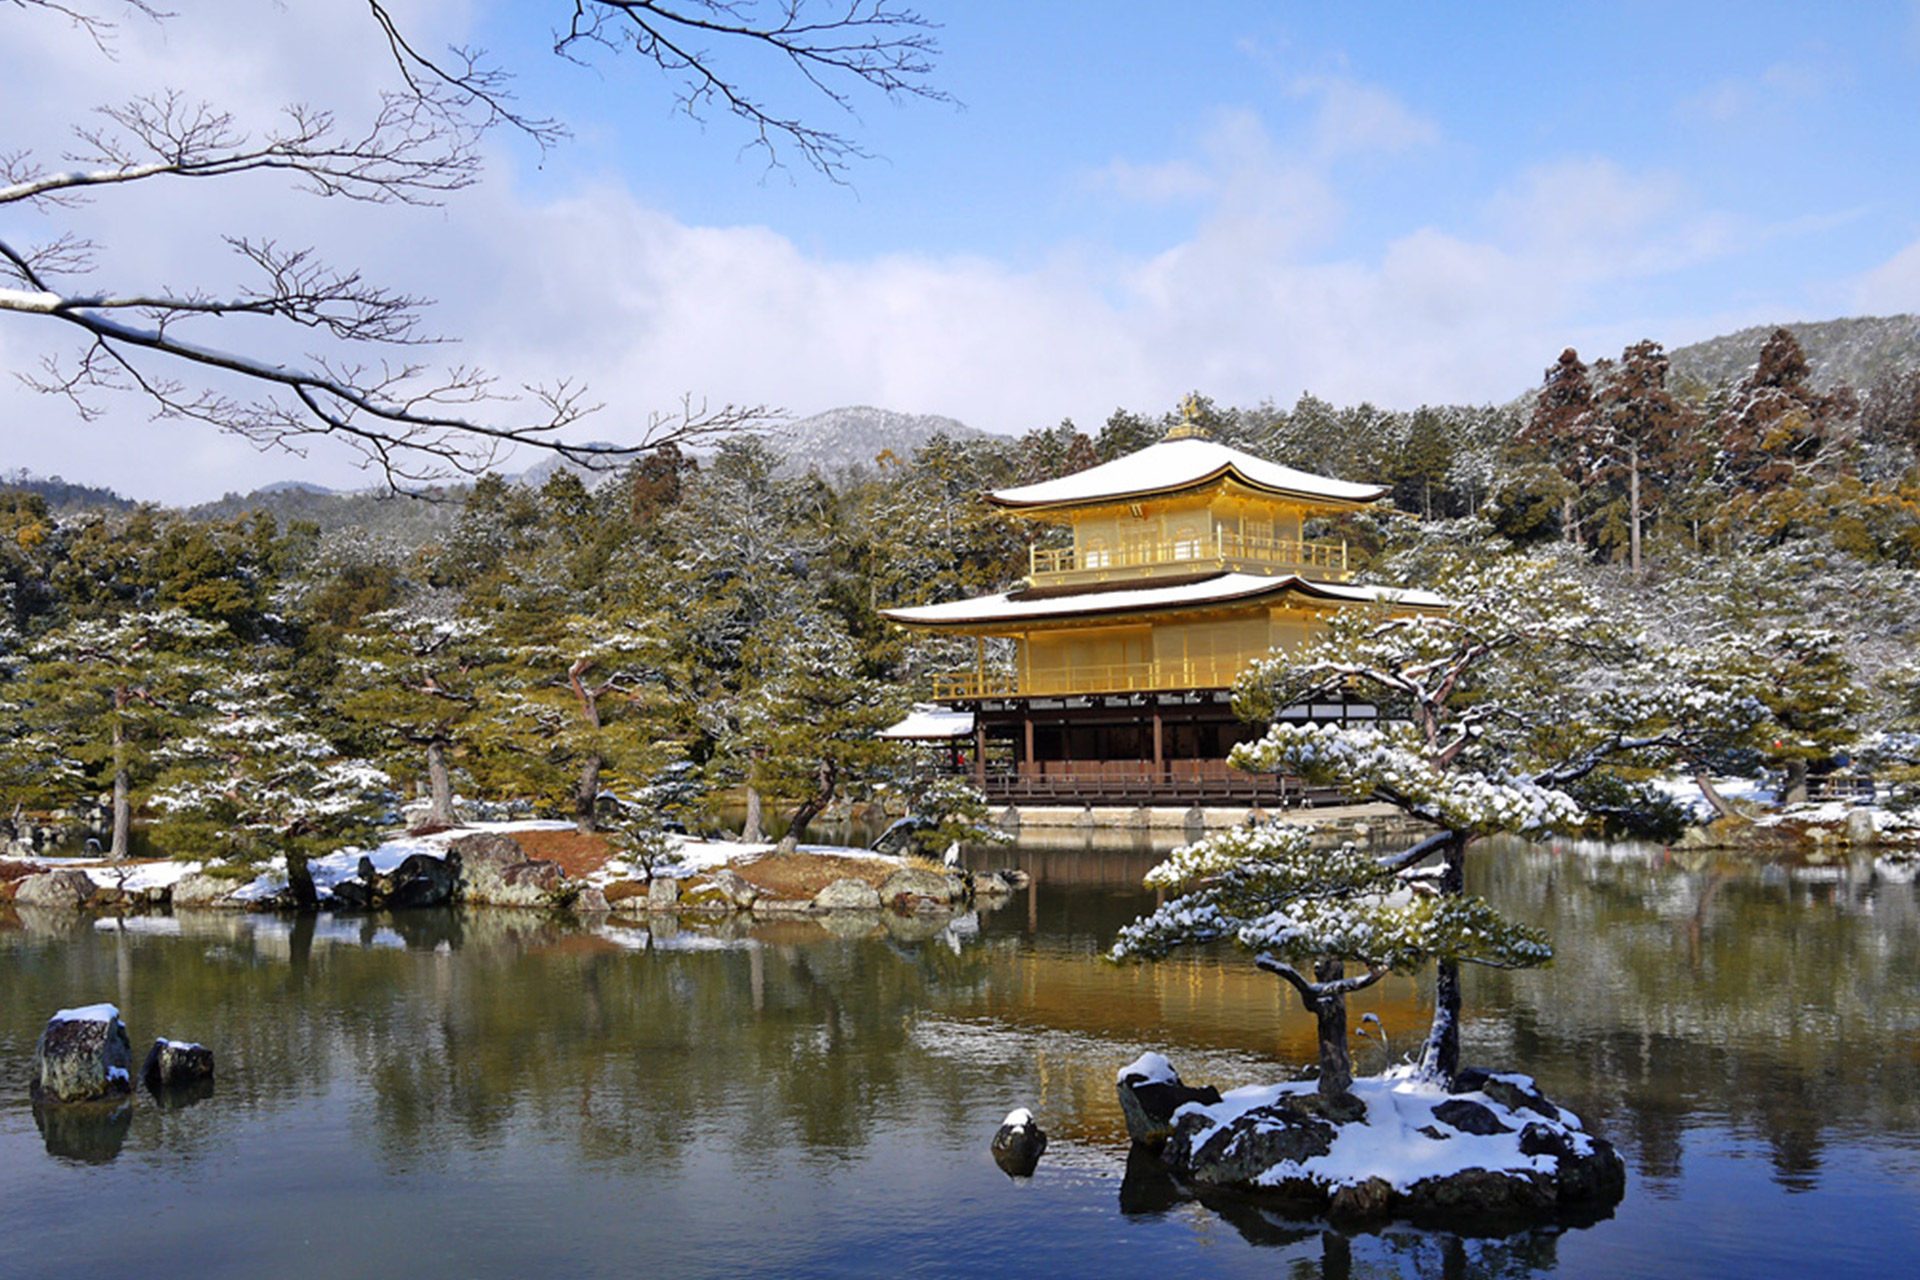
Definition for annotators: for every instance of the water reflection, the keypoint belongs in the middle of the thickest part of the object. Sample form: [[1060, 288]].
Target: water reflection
[[1743, 1032]]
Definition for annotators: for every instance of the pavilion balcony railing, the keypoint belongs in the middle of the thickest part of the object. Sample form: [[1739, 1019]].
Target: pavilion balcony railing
[[1223, 550], [1129, 677]]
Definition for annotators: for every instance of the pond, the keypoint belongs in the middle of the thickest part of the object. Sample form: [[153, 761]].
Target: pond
[[489, 1093]]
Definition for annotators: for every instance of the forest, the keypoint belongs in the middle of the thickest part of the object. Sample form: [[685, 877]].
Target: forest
[[637, 647]]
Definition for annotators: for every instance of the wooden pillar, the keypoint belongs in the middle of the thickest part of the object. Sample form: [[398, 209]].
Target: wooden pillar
[[1159, 754], [979, 752], [1029, 728]]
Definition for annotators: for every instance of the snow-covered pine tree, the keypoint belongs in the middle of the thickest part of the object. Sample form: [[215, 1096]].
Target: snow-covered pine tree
[[808, 717], [252, 779], [408, 680], [1487, 715], [107, 691], [1303, 908]]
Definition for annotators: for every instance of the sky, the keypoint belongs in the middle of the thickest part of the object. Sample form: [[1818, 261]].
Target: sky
[[1396, 203]]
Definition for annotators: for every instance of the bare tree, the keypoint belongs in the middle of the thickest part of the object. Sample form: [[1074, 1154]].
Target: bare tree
[[203, 355]]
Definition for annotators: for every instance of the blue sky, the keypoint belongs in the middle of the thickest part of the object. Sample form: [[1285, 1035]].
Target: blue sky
[[1395, 203], [1792, 127]]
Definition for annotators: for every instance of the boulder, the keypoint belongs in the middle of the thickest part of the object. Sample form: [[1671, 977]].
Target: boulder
[[591, 901], [1150, 1092], [740, 891], [171, 1063], [1477, 1195], [1514, 1092], [911, 885], [663, 893], [1358, 1202], [495, 871], [1469, 1117], [847, 895], [201, 890], [83, 1054], [1018, 1144], [991, 885], [1237, 1154], [67, 889], [1595, 1176]]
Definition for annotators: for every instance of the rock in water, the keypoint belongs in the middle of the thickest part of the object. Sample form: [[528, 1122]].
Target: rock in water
[[847, 895], [176, 1062], [1150, 1092], [83, 1054], [1018, 1144]]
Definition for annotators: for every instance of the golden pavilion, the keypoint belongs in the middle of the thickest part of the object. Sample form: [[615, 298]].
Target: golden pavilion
[[1187, 561]]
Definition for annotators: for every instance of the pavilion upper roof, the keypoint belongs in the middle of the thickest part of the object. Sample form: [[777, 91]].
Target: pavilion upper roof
[[1180, 464]]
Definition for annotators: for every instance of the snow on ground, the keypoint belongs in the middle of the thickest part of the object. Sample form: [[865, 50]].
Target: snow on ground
[[1390, 1145], [1685, 792], [148, 875], [344, 864], [692, 857]]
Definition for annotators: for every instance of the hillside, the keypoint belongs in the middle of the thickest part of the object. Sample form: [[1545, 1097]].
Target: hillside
[[1854, 351], [840, 439]]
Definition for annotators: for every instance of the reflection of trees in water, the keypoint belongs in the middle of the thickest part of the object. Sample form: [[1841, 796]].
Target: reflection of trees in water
[[499, 1028], [1764, 994]]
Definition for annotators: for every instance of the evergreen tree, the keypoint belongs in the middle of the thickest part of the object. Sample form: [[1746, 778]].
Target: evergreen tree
[[1560, 433], [1299, 907], [251, 780], [1645, 437], [109, 691], [409, 684], [806, 729]]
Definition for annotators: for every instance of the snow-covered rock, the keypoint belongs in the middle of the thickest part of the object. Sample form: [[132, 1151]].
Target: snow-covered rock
[[1018, 1144], [171, 1063], [1150, 1092], [1493, 1150], [82, 1054]]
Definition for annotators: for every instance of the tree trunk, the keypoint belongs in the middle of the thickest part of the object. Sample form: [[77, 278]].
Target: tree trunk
[[300, 880], [117, 849], [1633, 510], [1713, 796], [440, 784], [1796, 786], [586, 799], [586, 796], [1440, 1059], [809, 810], [1336, 1064], [753, 832]]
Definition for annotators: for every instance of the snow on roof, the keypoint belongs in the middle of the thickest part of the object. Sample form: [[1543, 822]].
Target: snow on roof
[[929, 721], [1221, 589], [1182, 464]]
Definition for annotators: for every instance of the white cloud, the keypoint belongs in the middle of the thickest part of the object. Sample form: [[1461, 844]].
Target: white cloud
[[1893, 286], [1260, 297]]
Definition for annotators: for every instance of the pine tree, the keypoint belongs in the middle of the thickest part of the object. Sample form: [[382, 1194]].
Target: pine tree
[[1560, 431], [806, 728], [251, 780], [1645, 436], [409, 683], [1299, 907], [107, 692], [1487, 715]]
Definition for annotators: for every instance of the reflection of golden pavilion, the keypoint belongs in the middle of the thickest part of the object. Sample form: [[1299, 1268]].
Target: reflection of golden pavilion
[[1188, 561]]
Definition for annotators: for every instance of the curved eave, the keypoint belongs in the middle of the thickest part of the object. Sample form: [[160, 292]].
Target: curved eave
[[1224, 472], [1003, 612]]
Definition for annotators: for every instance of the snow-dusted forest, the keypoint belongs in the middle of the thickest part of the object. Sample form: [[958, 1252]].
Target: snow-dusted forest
[[674, 630]]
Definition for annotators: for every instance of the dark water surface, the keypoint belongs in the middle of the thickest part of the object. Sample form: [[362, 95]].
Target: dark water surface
[[500, 1095]]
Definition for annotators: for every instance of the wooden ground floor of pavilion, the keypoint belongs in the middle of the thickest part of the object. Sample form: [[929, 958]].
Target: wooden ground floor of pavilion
[[1155, 748]]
